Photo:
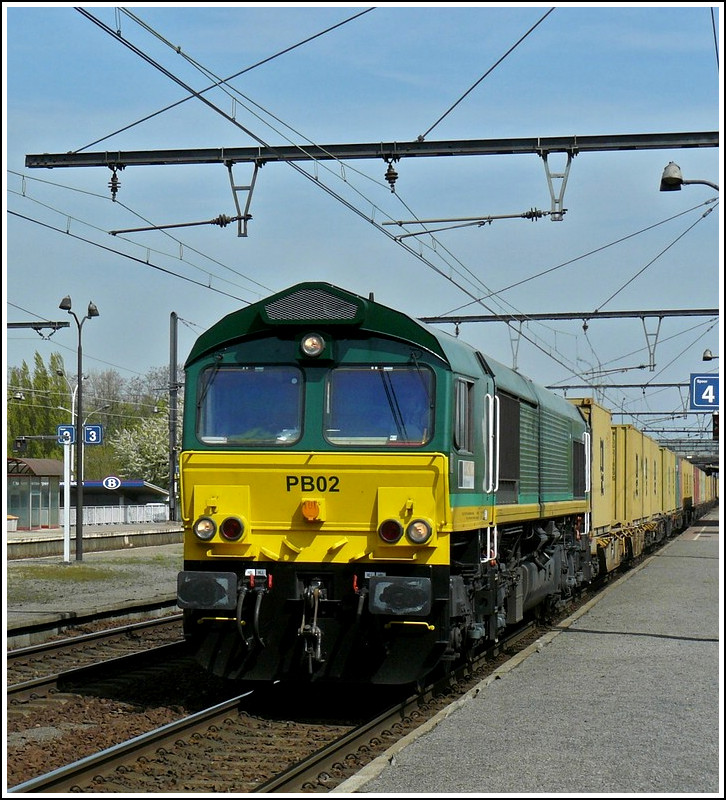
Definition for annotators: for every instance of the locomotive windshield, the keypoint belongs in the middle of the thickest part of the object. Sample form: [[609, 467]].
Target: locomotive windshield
[[365, 405], [250, 405], [373, 405]]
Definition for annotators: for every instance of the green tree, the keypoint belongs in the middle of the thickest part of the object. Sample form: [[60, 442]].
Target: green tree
[[33, 406], [133, 414]]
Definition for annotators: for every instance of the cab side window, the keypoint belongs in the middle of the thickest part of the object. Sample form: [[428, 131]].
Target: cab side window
[[463, 416]]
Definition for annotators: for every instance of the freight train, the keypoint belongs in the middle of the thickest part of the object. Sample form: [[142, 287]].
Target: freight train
[[366, 498]]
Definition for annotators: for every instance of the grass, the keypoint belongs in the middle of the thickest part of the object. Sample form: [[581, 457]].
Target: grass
[[61, 572], [38, 582]]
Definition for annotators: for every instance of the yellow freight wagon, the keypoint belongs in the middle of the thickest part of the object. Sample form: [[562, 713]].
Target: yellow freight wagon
[[671, 503], [685, 488], [630, 511], [607, 542], [652, 506]]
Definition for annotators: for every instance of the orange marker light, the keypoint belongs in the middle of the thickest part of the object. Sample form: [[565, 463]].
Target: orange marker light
[[311, 510]]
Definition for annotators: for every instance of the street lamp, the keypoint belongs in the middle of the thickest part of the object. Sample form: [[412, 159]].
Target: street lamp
[[73, 390], [708, 356], [672, 179], [65, 305]]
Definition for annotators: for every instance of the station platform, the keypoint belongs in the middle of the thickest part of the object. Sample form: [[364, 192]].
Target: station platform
[[624, 697], [96, 538]]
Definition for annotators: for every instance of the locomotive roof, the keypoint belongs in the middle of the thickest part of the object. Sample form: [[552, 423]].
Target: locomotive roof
[[319, 305]]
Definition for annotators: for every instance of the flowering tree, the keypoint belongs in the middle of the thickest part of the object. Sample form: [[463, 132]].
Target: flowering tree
[[142, 451]]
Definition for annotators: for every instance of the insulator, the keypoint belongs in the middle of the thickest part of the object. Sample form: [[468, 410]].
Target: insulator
[[391, 176], [114, 184]]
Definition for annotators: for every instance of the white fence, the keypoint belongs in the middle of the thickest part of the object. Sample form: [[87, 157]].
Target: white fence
[[119, 515]]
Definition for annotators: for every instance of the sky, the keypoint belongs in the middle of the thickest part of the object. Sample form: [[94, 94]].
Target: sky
[[342, 74]]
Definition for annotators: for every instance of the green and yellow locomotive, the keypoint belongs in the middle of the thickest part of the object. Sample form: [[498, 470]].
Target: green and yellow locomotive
[[366, 498]]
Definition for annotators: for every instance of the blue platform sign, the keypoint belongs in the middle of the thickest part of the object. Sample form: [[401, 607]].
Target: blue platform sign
[[704, 392], [92, 434], [66, 434]]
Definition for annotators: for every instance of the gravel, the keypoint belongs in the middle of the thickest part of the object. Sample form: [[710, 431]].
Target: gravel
[[100, 580]]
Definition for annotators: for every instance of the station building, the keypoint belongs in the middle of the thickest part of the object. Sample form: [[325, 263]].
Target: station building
[[35, 499]]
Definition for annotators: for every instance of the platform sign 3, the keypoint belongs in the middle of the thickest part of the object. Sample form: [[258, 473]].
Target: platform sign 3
[[66, 434], [92, 434], [704, 392]]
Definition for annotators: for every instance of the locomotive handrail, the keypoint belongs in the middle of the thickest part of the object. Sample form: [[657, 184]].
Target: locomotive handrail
[[492, 552], [492, 476], [588, 455], [496, 440]]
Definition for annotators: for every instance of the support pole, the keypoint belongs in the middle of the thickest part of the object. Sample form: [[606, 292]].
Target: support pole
[[79, 452], [173, 389], [67, 502]]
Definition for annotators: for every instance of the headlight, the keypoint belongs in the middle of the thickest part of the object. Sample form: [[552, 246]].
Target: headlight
[[232, 528], [205, 528], [418, 531], [390, 530], [313, 344]]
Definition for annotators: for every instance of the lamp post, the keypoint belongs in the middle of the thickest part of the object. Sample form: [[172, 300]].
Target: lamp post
[[65, 305], [73, 390], [672, 179], [708, 356]]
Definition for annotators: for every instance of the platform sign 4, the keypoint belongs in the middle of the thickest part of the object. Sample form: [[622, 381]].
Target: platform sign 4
[[704, 392], [92, 434]]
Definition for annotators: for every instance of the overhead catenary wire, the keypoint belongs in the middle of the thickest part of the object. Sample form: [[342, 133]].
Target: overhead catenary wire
[[419, 255], [653, 260], [207, 72], [488, 72], [424, 260], [126, 255], [295, 166], [69, 218], [221, 80]]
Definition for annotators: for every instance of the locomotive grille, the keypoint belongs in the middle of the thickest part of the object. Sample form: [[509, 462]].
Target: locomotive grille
[[311, 305]]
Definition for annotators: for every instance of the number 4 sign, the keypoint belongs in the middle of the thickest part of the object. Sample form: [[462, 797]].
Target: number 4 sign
[[704, 392]]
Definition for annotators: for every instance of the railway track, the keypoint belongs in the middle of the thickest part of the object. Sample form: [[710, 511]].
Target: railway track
[[44, 630], [243, 745], [43, 663], [255, 743]]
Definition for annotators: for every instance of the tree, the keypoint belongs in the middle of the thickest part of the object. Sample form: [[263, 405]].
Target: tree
[[133, 414], [142, 450], [33, 408]]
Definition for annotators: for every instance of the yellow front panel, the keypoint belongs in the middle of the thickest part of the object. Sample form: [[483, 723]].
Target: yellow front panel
[[316, 507]]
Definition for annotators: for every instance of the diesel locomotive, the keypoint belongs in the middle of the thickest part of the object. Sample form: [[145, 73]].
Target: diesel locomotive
[[366, 498]]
